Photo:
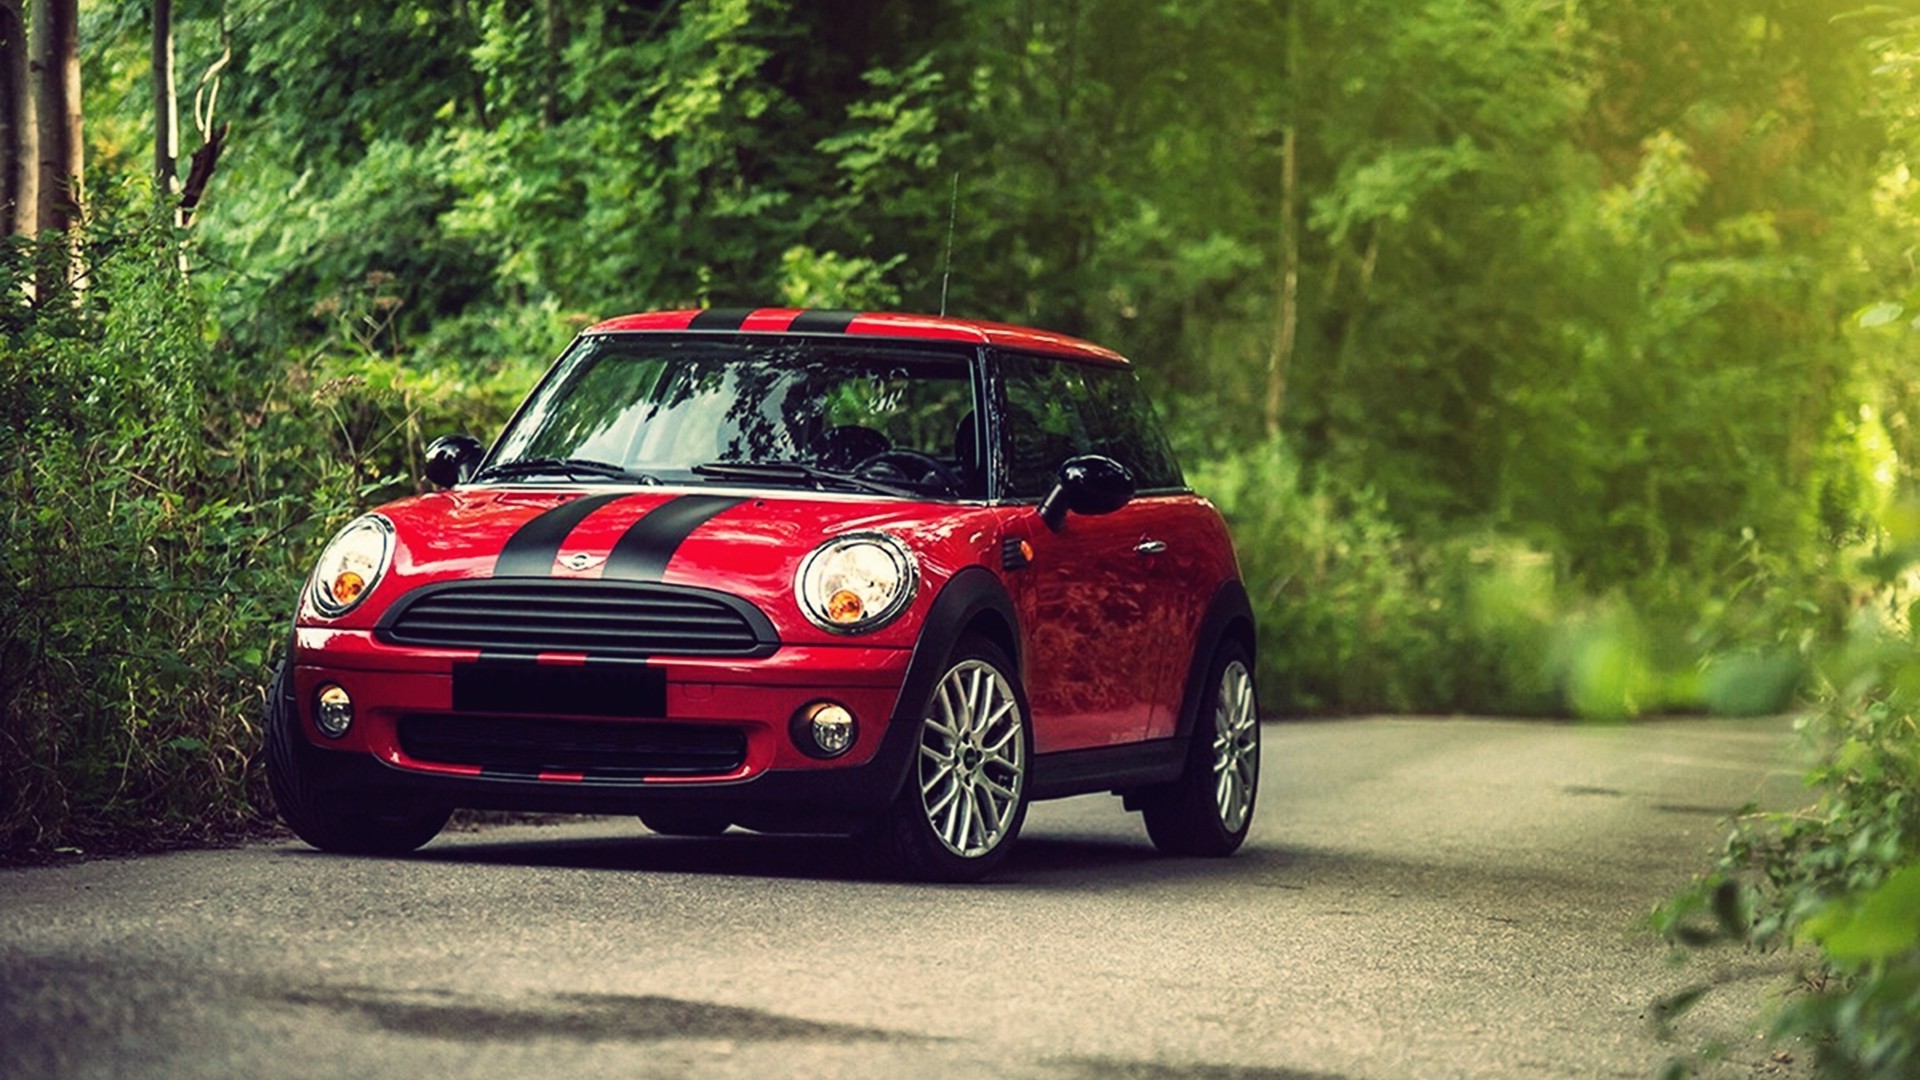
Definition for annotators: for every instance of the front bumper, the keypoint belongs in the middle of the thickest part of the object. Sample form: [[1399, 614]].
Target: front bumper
[[748, 703]]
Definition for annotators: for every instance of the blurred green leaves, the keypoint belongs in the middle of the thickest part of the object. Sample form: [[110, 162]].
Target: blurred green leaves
[[1879, 926]]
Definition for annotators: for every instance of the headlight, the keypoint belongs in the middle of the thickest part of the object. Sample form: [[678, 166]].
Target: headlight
[[858, 582], [351, 565]]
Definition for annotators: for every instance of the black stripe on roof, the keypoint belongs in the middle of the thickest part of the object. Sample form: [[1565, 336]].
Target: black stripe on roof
[[720, 319], [823, 322]]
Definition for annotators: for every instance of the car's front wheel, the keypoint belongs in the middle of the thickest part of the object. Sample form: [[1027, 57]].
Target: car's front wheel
[[1209, 809], [966, 794], [322, 818]]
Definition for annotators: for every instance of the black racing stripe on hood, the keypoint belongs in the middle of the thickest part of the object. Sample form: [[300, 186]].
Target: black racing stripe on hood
[[823, 322], [720, 319], [531, 551], [643, 551]]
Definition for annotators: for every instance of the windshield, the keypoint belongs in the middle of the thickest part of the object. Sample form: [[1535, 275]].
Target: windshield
[[783, 411]]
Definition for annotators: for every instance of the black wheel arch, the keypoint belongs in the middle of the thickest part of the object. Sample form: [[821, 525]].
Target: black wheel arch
[[973, 601], [1229, 617]]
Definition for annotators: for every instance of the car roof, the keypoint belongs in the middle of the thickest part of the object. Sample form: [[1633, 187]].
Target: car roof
[[869, 324]]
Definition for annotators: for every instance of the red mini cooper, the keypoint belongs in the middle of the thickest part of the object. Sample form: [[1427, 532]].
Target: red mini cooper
[[796, 571]]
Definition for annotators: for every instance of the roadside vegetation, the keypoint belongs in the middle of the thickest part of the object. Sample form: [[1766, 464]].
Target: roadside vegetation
[[1548, 358]]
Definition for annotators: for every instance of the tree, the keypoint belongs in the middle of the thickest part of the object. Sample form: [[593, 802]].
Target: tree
[[56, 79], [166, 105], [19, 132]]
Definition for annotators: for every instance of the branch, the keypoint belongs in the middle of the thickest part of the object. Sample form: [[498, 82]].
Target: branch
[[200, 173]]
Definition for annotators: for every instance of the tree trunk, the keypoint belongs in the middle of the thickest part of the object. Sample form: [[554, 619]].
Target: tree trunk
[[56, 62], [553, 47], [1286, 301], [1286, 318], [19, 135], [166, 108]]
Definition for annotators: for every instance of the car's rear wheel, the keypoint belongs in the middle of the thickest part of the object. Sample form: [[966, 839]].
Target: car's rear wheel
[[364, 826], [685, 822], [1210, 808], [966, 794]]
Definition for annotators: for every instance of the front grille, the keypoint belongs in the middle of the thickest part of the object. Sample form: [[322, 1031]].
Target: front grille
[[514, 746], [598, 618]]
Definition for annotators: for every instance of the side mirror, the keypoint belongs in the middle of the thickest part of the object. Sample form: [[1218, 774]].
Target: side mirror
[[1088, 484], [451, 459]]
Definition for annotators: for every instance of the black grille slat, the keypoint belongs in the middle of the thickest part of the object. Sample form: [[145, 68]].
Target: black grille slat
[[558, 613], [617, 619], [573, 598], [550, 624], [518, 746], [580, 635], [571, 611]]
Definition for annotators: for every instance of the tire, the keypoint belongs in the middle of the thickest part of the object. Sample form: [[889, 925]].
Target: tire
[[1208, 811], [364, 827], [685, 822], [965, 798]]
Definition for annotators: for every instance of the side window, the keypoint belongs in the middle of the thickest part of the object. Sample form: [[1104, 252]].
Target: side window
[[1128, 431], [1057, 409], [1043, 426]]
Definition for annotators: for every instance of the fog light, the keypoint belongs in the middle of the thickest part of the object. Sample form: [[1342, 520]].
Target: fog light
[[824, 729], [333, 711]]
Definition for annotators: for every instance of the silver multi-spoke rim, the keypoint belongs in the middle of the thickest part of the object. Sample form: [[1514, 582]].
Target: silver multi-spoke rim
[[1236, 747], [973, 759]]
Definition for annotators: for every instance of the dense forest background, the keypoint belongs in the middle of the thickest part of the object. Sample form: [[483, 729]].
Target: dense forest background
[[1550, 357]]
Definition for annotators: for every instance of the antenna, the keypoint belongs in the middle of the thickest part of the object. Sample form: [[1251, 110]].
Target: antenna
[[946, 261]]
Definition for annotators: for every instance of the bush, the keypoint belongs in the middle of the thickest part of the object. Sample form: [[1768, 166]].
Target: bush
[[161, 496], [1841, 876], [1356, 614], [139, 593], [1360, 612]]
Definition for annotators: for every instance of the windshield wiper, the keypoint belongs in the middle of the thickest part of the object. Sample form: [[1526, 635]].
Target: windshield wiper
[[798, 472], [569, 467]]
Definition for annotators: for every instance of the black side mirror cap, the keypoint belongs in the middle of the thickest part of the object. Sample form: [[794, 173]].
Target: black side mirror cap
[[452, 459], [1088, 484]]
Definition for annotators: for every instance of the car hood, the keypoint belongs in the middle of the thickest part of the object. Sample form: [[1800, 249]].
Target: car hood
[[749, 543]]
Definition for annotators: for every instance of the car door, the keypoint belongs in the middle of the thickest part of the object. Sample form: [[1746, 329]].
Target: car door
[[1086, 599], [1173, 544]]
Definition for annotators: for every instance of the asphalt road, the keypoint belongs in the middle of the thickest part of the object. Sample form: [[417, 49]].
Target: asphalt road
[[1454, 898]]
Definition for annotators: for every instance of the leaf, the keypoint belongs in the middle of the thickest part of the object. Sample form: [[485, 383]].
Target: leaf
[[1672, 1007], [1730, 909], [1878, 926], [1880, 314]]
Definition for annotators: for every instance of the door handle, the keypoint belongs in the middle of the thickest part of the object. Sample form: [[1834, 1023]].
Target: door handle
[[1150, 547]]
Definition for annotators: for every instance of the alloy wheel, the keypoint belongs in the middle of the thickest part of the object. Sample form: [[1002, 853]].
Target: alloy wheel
[[1236, 747], [973, 763]]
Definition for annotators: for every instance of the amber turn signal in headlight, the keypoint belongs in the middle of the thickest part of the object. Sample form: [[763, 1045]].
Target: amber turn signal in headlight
[[845, 607], [347, 588]]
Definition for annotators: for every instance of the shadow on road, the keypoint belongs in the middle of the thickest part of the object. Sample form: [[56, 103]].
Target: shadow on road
[[1065, 863]]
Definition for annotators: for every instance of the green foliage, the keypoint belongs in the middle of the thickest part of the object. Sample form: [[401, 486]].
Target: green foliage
[[1354, 613], [138, 612], [1841, 876], [1357, 612], [159, 504]]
